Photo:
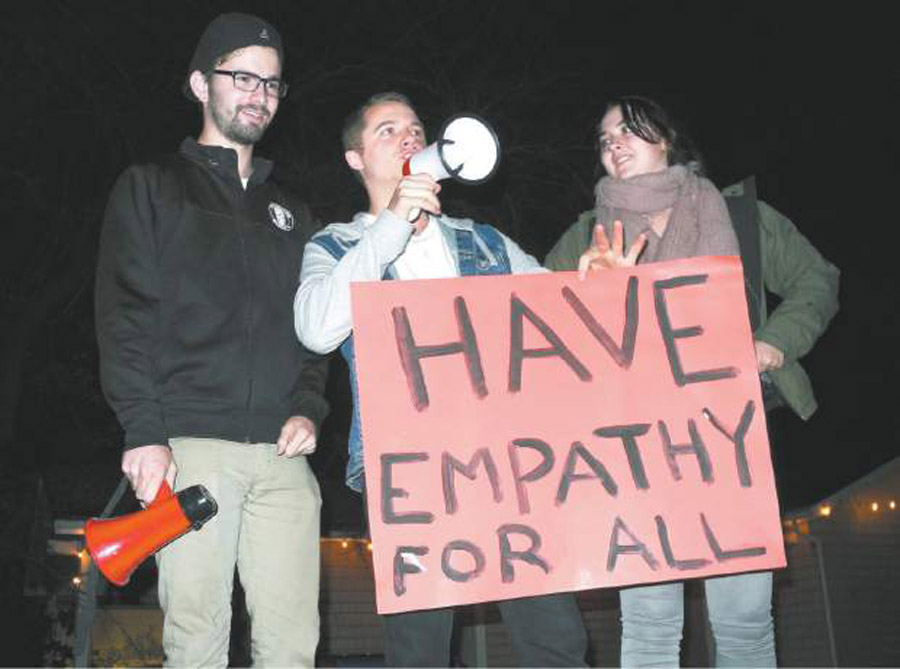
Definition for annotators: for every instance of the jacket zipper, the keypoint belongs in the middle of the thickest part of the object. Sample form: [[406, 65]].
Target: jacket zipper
[[243, 229]]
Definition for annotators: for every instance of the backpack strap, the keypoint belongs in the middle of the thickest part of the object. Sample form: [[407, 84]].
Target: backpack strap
[[744, 212]]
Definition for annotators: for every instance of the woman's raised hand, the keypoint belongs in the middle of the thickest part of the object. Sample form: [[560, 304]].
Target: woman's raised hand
[[601, 255]]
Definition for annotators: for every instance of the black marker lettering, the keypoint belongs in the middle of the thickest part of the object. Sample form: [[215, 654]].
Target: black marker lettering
[[622, 355], [723, 555], [541, 470], [411, 354], [670, 334], [696, 447], [467, 547], [576, 451], [628, 434], [517, 353], [389, 492], [682, 565], [449, 465], [740, 448], [507, 554], [636, 547], [402, 567]]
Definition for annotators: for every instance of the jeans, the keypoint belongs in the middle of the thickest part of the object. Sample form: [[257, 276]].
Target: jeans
[[740, 614]]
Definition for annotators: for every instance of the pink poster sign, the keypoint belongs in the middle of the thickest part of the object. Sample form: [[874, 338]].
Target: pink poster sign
[[533, 434]]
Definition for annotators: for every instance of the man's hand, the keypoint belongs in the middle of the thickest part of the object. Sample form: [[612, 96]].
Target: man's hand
[[602, 255], [298, 437], [146, 467], [767, 356], [415, 193]]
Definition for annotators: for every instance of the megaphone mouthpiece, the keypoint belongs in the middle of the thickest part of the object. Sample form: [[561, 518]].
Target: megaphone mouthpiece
[[198, 505]]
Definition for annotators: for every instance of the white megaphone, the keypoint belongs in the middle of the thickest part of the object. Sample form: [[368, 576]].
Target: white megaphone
[[466, 150]]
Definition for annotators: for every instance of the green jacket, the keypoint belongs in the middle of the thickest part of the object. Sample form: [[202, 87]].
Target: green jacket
[[777, 258]]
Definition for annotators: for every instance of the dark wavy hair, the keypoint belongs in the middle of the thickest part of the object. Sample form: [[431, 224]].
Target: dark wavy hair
[[649, 121]]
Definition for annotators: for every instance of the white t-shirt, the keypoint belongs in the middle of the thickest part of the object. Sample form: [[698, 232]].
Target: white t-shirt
[[426, 256]]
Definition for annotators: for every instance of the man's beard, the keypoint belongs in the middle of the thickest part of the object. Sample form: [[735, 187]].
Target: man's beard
[[232, 128]]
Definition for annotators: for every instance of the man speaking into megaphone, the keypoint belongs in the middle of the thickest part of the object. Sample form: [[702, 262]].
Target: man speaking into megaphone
[[405, 235]]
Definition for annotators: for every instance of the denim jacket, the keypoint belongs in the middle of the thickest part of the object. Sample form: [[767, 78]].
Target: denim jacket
[[365, 249]]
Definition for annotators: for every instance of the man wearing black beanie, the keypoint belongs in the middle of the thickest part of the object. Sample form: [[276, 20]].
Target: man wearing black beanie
[[199, 261]]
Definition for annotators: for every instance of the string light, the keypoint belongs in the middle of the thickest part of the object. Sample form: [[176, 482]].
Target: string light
[[76, 581], [793, 527], [345, 542]]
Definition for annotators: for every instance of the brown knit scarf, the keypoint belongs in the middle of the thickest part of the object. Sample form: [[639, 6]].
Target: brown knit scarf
[[698, 224]]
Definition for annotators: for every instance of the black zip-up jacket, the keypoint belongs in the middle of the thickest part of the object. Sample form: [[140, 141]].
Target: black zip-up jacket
[[195, 285]]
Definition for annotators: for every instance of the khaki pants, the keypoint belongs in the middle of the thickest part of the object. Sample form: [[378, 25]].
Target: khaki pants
[[268, 525]]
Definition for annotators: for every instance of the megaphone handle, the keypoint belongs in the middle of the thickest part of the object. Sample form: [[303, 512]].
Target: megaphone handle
[[164, 493]]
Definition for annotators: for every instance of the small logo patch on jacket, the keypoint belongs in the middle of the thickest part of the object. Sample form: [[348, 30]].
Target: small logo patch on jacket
[[281, 217]]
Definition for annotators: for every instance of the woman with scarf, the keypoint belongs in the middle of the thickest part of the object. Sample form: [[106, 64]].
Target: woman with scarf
[[654, 205]]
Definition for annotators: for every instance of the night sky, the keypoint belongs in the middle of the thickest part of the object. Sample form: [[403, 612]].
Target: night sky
[[802, 96]]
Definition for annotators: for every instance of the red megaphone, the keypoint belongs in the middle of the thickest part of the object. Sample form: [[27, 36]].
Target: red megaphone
[[119, 545]]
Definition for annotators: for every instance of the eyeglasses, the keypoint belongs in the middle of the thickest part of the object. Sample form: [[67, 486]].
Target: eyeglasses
[[249, 82]]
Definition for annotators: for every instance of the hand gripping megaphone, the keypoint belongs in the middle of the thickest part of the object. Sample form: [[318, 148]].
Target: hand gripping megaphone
[[119, 545], [466, 150]]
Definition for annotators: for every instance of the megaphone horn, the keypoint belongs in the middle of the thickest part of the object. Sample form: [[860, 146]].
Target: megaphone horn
[[119, 545], [466, 150]]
